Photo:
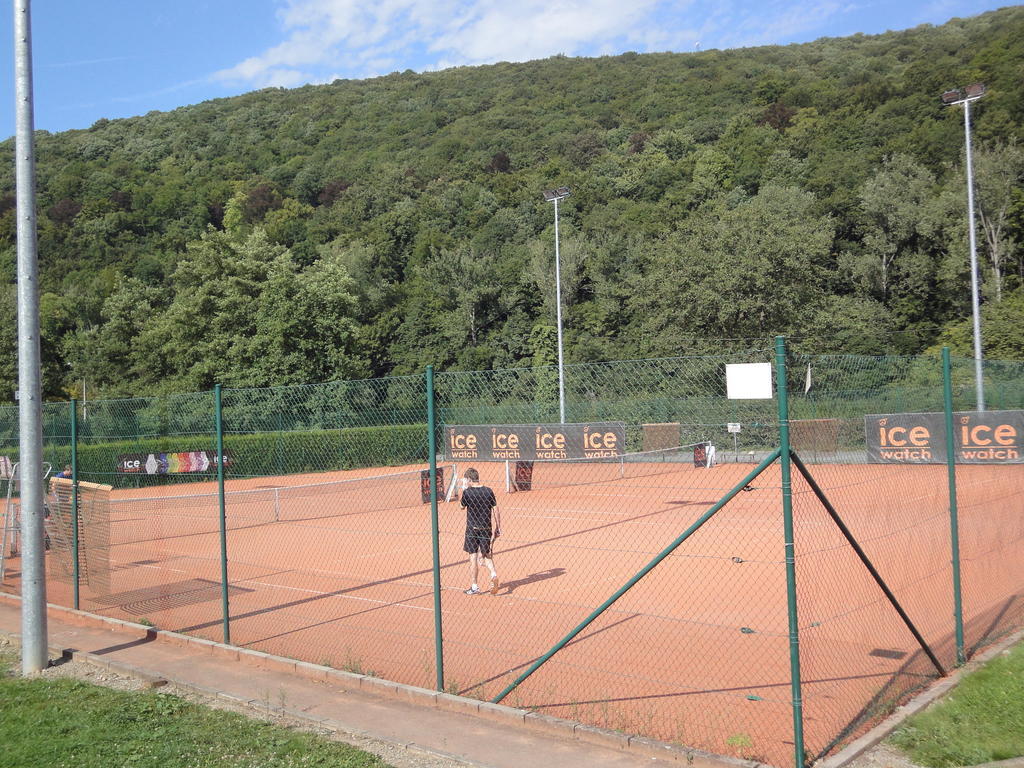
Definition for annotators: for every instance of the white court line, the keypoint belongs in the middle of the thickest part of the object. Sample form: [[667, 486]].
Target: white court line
[[583, 514], [331, 594], [577, 516], [389, 550], [351, 597], [315, 591], [575, 510]]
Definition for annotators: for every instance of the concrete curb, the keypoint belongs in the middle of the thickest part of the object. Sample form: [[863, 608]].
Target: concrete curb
[[922, 701], [511, 716]]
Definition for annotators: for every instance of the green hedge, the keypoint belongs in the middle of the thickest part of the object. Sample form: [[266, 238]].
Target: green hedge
[[254, 455]]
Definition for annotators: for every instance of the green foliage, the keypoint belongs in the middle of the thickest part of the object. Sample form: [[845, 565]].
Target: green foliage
[[67, 722], [981, 721], [1001, 325], [370, 227]]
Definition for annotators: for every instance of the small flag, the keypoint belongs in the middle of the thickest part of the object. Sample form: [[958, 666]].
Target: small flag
[[807, 381]]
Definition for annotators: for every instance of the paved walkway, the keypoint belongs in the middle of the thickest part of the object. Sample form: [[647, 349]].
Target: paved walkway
[[477, 733]]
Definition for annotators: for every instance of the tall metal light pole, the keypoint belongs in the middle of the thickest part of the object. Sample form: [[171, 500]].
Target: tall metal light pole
[[965, 97], [554, 196], [34, 648]]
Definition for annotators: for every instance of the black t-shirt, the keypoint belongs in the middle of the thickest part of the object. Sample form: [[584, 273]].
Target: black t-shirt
[[478, 503]]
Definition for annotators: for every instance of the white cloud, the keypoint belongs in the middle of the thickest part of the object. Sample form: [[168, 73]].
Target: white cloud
[[497, 31], [353, 38], [792, 20]]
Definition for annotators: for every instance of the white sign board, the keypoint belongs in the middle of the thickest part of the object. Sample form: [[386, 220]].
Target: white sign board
[[734, 426], [748, 381]]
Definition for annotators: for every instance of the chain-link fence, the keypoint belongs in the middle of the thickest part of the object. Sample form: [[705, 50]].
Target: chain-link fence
[[858, 553]]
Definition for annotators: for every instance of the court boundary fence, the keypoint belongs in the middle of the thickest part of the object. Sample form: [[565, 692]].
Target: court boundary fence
[[786, 457], [782, 453]]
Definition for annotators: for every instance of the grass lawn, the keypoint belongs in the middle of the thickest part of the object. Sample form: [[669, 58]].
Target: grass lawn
[[980, 721], [56, 722]]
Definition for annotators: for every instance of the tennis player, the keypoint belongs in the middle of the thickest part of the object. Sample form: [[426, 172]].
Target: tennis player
[[481, 509]]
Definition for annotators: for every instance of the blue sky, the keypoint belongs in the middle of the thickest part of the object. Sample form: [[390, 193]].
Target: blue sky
[[117, 58]]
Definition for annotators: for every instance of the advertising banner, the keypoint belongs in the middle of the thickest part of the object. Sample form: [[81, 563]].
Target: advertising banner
[[979, 437], [527, 442], [170, 463], [425, 485]]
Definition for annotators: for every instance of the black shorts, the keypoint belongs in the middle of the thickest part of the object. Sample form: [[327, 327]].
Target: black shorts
[[478, 540]]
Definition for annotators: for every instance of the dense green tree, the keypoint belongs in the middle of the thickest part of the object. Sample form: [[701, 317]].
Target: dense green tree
[[9, 346], [893, 226], [1000, 331], [372, 227], [106, 355], [743, 267], [999, 171]]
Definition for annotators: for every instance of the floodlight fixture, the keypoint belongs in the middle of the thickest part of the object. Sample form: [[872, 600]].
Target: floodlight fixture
[[554, 195], [954, 97]]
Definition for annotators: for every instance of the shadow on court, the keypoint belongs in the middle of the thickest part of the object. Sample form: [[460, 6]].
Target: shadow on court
[[460, 563], [509, 587]]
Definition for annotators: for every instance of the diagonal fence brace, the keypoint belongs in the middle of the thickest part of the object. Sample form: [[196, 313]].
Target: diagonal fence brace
[[864, 559], [641, 573]]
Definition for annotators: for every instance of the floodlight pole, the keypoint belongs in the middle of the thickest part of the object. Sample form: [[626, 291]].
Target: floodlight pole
[[34, 648], [554, 196], [558, 314], [979, 384]]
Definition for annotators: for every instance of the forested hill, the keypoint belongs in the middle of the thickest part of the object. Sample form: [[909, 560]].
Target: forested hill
[[371, 227]]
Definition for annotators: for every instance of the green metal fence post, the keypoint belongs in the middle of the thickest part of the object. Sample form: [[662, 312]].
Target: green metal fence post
[[787, 518], [74, 502], [954, 526], [279, 443], [219, 419], [435, 533]]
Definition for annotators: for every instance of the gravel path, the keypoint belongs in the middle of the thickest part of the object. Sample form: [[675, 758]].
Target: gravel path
[[882, 756]]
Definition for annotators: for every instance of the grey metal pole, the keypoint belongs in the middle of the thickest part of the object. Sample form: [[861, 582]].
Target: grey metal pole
[[558, 312], [435, 530], [954, 512], [76, 571], [30, 415], [218, 419], [979, 383]]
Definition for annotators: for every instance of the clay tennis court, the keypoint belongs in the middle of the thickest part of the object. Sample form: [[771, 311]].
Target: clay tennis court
[[698, 652]]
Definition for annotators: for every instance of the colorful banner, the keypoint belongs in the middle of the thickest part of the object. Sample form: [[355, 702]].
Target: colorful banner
[[171, 463], [979, 437], [526, 442]]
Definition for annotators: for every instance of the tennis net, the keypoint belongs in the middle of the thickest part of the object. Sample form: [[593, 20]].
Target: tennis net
[[542, 474], [199, 513]]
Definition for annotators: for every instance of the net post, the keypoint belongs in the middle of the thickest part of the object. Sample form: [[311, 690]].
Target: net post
[[954, 525], [219, 422], [453, 484], [74, 504], [787, 521], [435, 529]]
